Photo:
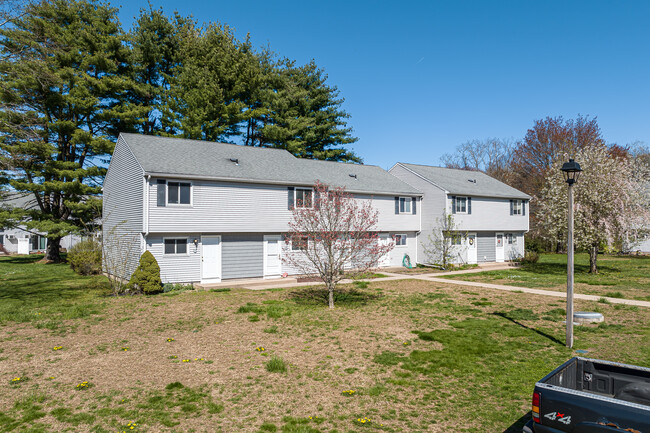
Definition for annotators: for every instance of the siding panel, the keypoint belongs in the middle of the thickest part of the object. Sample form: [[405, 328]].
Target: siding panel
[[486, 244], [122, 212], [222, 207], [181, 268], [242, 255]]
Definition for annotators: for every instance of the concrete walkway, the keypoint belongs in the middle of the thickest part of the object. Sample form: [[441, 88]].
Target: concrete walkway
[[435, 278]]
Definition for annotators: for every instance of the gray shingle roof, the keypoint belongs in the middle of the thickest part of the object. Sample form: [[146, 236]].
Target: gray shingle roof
[[461, 182], [18, 200], [182, 157]]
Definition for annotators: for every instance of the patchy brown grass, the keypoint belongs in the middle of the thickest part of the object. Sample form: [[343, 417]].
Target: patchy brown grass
[[326, 351]]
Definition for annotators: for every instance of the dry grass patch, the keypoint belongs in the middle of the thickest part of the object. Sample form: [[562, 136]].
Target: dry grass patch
[[419, 356]]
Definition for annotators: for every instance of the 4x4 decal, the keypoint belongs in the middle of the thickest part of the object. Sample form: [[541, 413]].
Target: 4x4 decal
[[560, 417]]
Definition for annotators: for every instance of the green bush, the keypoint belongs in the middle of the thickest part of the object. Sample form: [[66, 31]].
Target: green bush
[[85, 258], [170, 287], [529, 257], [146, 277]]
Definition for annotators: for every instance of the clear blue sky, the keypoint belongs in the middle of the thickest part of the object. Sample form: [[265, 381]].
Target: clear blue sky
[[419, 78]]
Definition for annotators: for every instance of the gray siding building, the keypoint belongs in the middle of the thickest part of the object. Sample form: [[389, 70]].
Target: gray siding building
[[491, 216], [213, 211]]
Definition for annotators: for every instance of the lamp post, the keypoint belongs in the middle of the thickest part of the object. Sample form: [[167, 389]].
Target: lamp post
[[571, 172]]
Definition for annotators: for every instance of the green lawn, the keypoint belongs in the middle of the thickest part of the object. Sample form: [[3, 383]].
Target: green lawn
[[618, 276], [393, 356]]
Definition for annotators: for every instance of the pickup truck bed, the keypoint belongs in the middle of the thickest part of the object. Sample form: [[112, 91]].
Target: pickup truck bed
[[592, 396]]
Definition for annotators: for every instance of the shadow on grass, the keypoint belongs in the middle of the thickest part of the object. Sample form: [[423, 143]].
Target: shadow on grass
[[537, 331], [560, 268], [23, 260], [342, 297], [518, 425]]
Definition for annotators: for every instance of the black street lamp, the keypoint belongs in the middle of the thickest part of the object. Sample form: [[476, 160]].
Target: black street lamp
[[571, 172]]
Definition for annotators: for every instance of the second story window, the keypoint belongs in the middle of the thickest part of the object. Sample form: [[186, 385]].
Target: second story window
[[173, 192], [178, 192], [405, 204], [517, 207], [303, 197], [460, 205]]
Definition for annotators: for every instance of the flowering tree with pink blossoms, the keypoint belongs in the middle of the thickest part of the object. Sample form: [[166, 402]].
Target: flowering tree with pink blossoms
[[611, 201], [332, 232]]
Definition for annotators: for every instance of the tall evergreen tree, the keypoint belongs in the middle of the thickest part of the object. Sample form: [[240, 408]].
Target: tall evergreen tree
[[305, 115], [64, 76], [156, 42]]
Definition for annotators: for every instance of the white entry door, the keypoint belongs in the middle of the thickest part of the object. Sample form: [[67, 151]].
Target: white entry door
[[471, 248], [272, 256], [499, 248], [23, 246], [384, 239], [210, 259]]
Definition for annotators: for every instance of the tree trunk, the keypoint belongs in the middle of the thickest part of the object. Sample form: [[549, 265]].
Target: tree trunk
[[331, 296], [53, 253], [593, 257]]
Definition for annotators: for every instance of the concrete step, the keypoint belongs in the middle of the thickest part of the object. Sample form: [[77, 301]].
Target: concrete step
[[246, 282]]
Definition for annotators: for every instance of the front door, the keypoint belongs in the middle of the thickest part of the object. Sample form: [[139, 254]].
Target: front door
[[499, 248], [272, 257], [210, 259], [471, 248], [384, 239]]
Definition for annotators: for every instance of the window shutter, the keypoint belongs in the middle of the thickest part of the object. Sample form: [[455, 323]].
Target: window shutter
[[414, 205], [396, 205], [523, 207], [512, 206], [316, 199], [469, 205], [453, 204], [161, 192], [290, 198]]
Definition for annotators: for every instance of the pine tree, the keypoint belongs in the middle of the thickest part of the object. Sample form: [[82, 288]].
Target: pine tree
[[64, 77]]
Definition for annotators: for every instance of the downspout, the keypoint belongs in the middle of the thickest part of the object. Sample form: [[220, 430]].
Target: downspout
[[417, 235], [146, 211]]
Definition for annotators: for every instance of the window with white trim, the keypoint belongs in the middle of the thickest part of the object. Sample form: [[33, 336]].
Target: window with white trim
[[455, 239], [512, 239], [405, 205], [175, 246], [299, 243], [179, 192], [517, 207], [400, 240], [304, 198], [461, 205]]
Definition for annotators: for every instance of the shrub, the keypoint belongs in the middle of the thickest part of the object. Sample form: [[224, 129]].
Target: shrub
[[170, 287], [146, 277], [529, 257], [85, 258], [276, 365]]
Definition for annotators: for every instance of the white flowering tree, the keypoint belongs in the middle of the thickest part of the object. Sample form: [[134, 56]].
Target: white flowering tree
[[611, 201], [331, 232]]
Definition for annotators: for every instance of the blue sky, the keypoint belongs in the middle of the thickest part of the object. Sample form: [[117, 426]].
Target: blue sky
[[420, 78]]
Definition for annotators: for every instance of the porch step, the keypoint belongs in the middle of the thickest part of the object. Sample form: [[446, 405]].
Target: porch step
[[257, 283]]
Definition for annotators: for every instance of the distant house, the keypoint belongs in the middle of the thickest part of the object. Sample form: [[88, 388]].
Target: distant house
[[493, 215], [213, 211], [19, 240]]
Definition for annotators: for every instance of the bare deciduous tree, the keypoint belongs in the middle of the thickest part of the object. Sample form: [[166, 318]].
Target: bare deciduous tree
[[332, 232], [492, 156], [445, 242]]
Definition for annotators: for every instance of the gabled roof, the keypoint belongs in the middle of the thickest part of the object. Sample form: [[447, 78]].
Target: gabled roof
[[464, 182], [162, 156]]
